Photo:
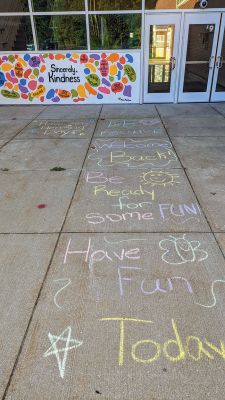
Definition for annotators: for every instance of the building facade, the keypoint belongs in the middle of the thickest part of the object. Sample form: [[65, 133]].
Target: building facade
[[111, 51]]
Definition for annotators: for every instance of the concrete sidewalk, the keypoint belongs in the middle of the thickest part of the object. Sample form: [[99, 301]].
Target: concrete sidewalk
[[112, 252]]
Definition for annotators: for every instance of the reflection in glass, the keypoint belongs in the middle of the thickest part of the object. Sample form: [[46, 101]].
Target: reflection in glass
[[200, 42], [199, 50], [115, 31], [61, 32], [196, 77], [220, 87], [160, 54], [16, 34], [58, 5], [105, 5], [181, 4], [14, 5]]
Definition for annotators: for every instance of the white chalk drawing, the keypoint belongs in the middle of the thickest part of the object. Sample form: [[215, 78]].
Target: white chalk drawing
[[134, 132], [122, 278], [124, 240], [156, 153], [67, 344], [67, 283], [133, 123], [213, 295], [136, 127], [159, 178], [180, 250], [62, 129]]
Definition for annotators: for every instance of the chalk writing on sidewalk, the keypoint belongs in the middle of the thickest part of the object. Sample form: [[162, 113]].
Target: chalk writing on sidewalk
[[132, 123], [61, 129], [180, 214], [93, 256], [155, 153], [135, 127], [174, 349]]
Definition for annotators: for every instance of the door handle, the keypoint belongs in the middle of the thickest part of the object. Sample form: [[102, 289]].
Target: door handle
[[219, 62], [211, 62], [173, 62]]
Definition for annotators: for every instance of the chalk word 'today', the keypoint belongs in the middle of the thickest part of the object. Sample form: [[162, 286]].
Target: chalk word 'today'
[[148, 351]]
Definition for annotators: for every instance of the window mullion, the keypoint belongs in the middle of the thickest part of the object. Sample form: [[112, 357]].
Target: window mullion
[[33, 26], [87, 26]]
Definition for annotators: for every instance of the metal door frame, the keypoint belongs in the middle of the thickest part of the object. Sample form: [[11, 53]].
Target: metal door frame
[[209, 19], [159, 19], [218, 96], [183, 13]]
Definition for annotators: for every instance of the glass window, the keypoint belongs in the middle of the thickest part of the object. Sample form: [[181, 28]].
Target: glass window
[[160, 52], [106, 5], [115, 31], [179, 4], [58, 5], [199, 50], [13, 5], [16, 34], [220, 87], [61, 32]]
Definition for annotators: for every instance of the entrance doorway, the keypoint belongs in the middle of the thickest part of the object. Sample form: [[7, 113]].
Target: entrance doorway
[[161, 57], [197, 72], [218, 88]]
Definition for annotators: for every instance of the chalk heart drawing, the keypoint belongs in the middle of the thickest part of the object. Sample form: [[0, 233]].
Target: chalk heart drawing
[[159, 178], [180, 250], [61, 353]]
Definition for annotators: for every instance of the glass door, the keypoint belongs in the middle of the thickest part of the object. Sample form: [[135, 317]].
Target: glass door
[[218, 89], [161, 54], [198, 59]]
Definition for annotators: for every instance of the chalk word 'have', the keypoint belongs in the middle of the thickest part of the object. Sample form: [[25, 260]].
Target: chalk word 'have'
[[148, 351], [92, 255]]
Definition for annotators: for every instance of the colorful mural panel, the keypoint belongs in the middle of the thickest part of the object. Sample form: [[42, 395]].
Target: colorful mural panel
[[69, 78]]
